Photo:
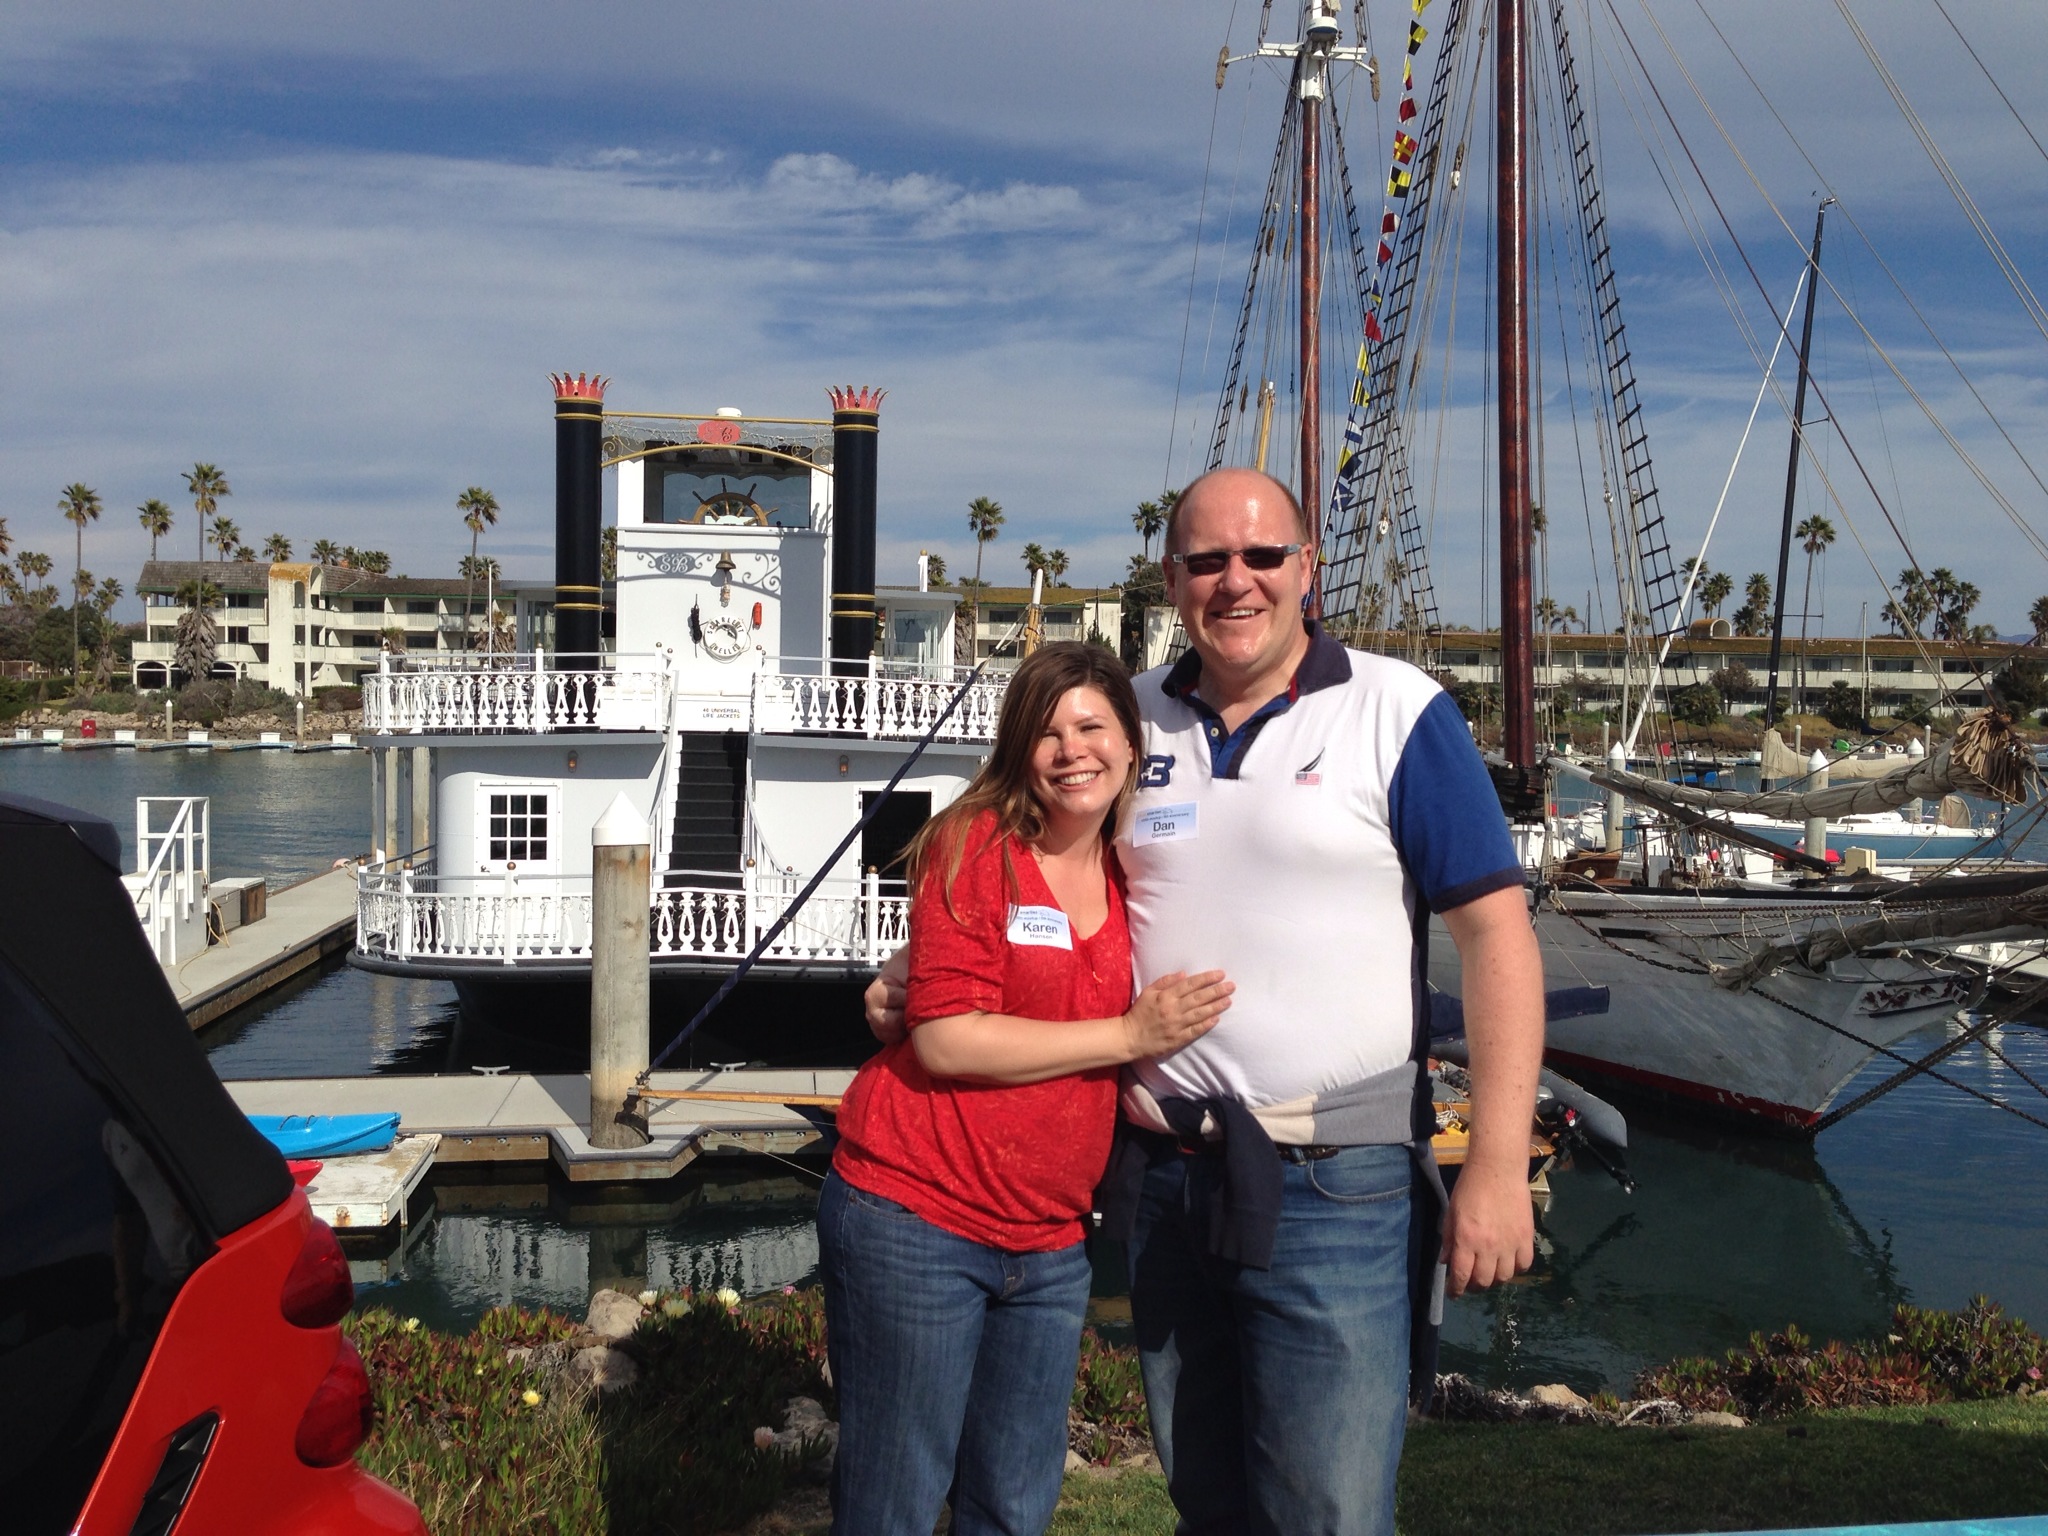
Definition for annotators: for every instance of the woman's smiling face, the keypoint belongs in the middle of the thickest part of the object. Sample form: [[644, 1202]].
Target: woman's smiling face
[[1082, 758]]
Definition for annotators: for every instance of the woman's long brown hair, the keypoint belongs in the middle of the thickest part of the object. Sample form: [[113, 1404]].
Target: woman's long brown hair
[[1003, 785]]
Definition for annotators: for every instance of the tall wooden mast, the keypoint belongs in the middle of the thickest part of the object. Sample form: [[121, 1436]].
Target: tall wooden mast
[[1511, 237], [1312, 75]]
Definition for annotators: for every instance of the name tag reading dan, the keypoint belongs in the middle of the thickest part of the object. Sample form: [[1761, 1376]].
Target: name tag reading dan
[[1045, 927], [1163, 824]]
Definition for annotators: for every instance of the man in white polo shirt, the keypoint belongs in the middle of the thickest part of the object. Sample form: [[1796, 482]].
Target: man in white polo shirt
[[1302, 810]]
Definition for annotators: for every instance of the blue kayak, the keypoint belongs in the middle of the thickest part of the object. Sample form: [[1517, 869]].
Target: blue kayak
[[327, 1135]]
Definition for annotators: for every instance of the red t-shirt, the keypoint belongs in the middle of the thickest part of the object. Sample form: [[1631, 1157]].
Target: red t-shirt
[[1014, 1167]]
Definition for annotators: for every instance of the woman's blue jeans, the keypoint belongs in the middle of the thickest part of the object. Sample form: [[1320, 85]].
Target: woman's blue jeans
[[953, 1364], [1278, 1396]]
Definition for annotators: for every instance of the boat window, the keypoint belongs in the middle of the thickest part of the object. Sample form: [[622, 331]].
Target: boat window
[[516, 826], [731, 488]]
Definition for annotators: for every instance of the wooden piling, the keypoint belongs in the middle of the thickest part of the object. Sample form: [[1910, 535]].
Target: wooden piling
[[619, 973]]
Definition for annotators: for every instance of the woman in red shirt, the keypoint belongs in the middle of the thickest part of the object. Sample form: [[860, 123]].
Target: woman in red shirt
[[950, 1227]]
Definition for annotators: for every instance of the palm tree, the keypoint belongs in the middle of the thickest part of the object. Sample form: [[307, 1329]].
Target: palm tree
[[195, 643], [6, 538], [2036, 615], [226, 536], [34, 566], [1715, 589], [1815, 535], [326, 552], [984, 521], [244, 554], [207, 485], [1150, 521], [156, 522], [1034, 561], [479, 509], [277, 548], [1056, 566], [935, 569], [375, 561], [80, 504]]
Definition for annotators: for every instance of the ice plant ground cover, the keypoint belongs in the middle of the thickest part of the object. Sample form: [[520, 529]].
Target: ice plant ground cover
[[484, 1444]]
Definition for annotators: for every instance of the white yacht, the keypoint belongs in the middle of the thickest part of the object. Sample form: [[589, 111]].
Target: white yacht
[[733, 689]]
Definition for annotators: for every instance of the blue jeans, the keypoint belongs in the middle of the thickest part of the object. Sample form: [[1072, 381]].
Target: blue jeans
[[1278, 1397], [953, 1364]]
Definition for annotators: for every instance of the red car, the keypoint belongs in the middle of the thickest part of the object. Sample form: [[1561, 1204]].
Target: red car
[[171, 1356]]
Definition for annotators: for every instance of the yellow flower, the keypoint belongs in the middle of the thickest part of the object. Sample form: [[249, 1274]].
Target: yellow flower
[[675, 1306], [530, 1397], [410, 1325], [648, 1298], [727, 1297]]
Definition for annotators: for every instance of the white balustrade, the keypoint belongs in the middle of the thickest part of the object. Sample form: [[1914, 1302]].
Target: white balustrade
[[407, 916], [514, 695], [476, 695]]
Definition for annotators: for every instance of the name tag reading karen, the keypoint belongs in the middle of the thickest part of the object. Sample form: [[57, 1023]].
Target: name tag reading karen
[[1163, 824], [1045, 927]]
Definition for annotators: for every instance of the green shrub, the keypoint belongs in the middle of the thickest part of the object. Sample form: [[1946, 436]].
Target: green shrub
[[1928, 1357], [204, 703], [250, 697], [337, 700]]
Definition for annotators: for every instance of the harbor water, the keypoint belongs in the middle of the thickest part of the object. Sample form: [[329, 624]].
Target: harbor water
[[1926, 1196]]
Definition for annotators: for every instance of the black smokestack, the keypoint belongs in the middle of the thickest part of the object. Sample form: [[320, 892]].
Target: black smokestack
[[856, 418], [579, 515]]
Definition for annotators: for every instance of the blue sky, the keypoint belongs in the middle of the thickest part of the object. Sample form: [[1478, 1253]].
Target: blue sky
[[337, 250]]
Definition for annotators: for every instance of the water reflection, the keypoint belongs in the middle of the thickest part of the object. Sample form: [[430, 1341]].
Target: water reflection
[[490, 1244]]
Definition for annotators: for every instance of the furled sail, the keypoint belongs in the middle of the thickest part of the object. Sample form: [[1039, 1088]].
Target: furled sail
[[1986, 756]]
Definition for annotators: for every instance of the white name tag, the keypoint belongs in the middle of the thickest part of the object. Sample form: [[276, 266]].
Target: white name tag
[[1163, 824], [1045, 927]]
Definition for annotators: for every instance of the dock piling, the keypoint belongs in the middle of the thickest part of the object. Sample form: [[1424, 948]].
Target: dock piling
[[619, 973], [1817, 826]]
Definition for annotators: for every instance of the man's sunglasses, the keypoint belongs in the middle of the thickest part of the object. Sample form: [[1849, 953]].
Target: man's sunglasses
[[1258, 557]]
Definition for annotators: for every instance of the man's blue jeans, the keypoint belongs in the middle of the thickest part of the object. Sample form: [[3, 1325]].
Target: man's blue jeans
[[953, 1364], [1278, 1397]]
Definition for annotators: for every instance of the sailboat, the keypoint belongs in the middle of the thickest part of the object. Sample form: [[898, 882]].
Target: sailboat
[[1722, 994]]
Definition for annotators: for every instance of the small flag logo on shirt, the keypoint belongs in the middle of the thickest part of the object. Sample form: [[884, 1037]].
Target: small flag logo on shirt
[[1306, 773]]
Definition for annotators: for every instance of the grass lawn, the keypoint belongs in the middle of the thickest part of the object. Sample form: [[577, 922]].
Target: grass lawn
[[1951, 1461]]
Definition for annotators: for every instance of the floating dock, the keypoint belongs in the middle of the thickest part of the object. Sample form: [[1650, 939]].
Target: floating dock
[[509, 1119], [303, 925]]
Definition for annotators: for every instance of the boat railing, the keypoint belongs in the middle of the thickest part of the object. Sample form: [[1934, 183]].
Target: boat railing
[[884, 700], [517, 694], [510, 919], [173, 864], [881, 700]]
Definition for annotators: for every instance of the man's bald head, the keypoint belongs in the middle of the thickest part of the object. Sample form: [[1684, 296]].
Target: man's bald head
[[1240, 486]]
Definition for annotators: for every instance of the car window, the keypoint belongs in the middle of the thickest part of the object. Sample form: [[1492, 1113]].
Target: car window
[[94, 1244]]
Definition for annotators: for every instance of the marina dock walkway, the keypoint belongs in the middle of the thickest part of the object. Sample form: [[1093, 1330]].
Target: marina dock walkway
[[304, 924], [516, 1118]]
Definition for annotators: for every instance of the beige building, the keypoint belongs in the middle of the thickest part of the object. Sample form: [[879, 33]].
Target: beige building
[[297, 627]]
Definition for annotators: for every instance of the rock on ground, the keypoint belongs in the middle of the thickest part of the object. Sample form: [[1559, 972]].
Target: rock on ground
[[603, 1369], [614, 1315]]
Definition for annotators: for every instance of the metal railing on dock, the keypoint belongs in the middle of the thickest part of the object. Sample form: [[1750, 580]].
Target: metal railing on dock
[[173, 866]]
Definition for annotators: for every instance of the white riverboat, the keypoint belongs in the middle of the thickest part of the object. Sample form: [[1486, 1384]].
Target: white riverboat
[[733, 690]]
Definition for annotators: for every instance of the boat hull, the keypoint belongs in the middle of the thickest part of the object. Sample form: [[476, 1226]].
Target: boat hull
[[1770, 1056]]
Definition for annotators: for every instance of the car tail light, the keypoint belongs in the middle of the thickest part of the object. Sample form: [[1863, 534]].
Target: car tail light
[[318, 1291], [338, 1418]]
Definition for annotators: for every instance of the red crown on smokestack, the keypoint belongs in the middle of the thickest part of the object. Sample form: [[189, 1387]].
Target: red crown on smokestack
[[580, 387], [856, 397]]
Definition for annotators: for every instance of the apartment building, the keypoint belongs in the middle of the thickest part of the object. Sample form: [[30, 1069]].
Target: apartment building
[[297, 627]]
